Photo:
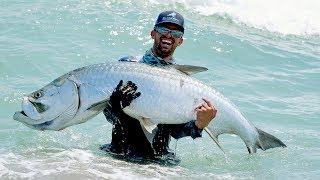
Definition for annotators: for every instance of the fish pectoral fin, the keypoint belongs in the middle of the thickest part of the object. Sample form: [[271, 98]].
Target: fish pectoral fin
[[147, 124], [91, 92], [99, 105], [214, 138], [189, 69]]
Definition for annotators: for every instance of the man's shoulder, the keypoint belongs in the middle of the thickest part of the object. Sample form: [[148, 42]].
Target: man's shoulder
[[131, 58]]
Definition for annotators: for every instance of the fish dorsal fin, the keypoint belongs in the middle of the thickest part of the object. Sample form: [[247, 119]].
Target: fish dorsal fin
[[147, 124], [189, 69]]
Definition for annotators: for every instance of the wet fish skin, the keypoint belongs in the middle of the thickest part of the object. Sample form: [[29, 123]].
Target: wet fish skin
[[167, 97]]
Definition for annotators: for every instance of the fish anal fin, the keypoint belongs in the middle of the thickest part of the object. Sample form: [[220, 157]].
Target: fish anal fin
[[147, 124], [189, 69], [214, 137]]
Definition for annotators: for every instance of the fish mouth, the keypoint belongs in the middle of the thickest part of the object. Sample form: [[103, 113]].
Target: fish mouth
[[21, 116]]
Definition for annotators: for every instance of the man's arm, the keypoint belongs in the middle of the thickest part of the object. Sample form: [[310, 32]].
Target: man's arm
[[205, 113], [121, 97]]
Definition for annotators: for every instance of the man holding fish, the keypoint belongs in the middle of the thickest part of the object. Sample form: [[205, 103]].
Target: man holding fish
[[129, 139]]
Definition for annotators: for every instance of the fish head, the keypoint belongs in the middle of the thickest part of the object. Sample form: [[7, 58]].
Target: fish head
[[51, 106]]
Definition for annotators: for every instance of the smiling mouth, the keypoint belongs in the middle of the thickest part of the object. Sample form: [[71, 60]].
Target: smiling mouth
[[167, 42]]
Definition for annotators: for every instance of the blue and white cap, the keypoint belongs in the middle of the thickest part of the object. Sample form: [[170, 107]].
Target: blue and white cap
[[171, 17]]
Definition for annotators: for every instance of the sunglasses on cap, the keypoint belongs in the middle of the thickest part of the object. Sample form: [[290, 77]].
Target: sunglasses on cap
[[164, 30]]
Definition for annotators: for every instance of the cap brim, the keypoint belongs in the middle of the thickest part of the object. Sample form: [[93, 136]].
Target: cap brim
[[170, 22]]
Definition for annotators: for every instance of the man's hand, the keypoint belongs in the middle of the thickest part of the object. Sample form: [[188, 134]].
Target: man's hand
[[123, 95], [205, 113]]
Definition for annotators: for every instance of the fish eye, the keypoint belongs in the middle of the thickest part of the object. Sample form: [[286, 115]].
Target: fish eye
[[38, 94]]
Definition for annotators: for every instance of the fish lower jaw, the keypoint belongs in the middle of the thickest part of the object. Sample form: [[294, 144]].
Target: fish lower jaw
[[43, 126], [22, 117]]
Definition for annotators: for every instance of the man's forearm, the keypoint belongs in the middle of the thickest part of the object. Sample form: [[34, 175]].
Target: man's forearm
[[182, 130]]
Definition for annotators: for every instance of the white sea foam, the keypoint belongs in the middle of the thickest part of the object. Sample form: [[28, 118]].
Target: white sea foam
[[286, 16]]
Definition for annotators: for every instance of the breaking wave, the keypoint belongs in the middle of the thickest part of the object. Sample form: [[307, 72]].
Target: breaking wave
[[286, 16]]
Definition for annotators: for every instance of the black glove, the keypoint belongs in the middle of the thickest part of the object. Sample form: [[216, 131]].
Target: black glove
[[123, 95]]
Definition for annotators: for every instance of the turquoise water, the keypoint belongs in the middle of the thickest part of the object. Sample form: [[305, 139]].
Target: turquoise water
[[269, 69]]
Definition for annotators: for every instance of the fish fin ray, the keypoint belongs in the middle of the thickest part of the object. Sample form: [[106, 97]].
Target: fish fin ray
[[267, 141], [99, 105], [189, 69], [214, 138]]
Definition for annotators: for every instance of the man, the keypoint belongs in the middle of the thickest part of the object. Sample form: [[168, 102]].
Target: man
[[128, 137]]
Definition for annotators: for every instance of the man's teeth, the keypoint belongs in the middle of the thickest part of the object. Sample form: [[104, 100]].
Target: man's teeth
[[167, 41]]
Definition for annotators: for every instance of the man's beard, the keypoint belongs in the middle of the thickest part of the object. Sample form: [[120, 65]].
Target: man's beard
[[161, 53]]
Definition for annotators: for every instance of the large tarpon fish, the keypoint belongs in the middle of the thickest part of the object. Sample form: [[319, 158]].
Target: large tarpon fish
[[168, 96]]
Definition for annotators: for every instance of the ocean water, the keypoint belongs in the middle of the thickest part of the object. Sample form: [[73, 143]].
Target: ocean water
[[263, 55]]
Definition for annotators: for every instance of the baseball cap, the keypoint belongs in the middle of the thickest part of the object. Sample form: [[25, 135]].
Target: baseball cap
[[171, 17]]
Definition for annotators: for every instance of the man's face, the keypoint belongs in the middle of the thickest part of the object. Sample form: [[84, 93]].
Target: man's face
[[166, 42]]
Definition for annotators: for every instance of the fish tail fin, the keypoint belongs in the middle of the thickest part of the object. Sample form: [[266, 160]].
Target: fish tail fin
[[214, 137], [267, 141]]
